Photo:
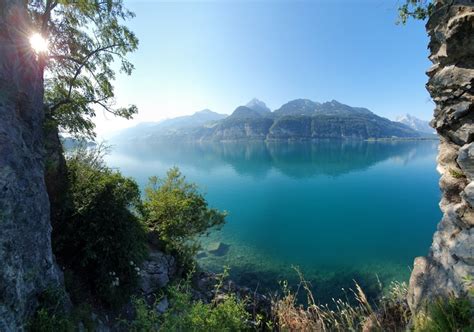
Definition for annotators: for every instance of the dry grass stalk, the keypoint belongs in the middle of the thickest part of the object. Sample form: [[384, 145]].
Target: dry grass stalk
[[389, 313]]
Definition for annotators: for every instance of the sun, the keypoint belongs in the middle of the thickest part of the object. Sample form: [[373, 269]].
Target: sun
[[38, 43]]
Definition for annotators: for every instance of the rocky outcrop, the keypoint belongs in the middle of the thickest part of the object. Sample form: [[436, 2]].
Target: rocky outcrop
[[27, 264], [156, 272], [451, 85], [205, 289]]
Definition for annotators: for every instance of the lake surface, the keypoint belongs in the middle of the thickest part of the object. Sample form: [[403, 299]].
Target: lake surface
[[339, 210]]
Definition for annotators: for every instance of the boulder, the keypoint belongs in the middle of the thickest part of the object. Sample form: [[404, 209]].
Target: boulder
[[201, 254], [156, 272], [162, 305]]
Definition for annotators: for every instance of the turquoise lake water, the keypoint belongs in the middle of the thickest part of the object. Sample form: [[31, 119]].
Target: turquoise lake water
[[339, 210]]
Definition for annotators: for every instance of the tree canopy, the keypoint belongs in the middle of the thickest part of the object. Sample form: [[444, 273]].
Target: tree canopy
[[88, 44], [179, 213], [417, 9]]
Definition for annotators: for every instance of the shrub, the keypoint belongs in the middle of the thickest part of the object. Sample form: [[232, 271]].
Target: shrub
[[178, 213], [54, 314], [102, 239], [45, 321], [186, 315], [146, 319], [446, 314], [51, 314]]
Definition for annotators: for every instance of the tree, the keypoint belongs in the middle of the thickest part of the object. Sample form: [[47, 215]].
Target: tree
[[178, 213], [417, 9], [86, 38]]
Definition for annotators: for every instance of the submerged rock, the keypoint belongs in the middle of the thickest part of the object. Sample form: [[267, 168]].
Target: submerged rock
[[218, 248], [201, 254]]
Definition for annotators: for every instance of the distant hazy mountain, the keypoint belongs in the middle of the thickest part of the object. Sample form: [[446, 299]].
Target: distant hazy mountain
[[197, 119], [258, 106], [298, 119], [415, 123], [70, 143], [170, 126]]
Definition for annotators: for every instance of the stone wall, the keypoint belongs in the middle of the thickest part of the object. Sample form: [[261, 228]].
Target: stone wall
[[451, 85], [26, 262]]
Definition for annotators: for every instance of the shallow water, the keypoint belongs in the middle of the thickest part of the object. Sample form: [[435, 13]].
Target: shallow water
[[340, 210]]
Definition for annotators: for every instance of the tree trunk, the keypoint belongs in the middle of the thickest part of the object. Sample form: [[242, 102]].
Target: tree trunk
[[56, 177], [26, 261], [451, 85]]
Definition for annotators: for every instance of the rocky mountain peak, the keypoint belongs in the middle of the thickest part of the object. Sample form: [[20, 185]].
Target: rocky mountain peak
[[258, 106], [245, 112], [415, 123]]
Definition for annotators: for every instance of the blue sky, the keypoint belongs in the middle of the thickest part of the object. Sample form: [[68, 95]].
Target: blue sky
[[218, 55]]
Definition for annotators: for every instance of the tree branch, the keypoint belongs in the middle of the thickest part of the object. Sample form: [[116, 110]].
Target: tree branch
[[84, 62], [50, 5]]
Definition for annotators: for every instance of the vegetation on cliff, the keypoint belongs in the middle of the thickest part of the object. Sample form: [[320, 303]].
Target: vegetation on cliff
[[102, 239]]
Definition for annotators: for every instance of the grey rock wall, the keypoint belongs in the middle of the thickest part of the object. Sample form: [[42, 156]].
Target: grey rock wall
[[26, 261], [451, 85]]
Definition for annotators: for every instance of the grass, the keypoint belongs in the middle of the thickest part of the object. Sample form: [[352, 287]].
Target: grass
[[389, 313], [446, 314]]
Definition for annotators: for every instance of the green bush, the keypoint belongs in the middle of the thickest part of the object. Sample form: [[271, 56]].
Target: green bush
[[102, 239], [55, 315], [186, 315], [446, 314], [146, 319], [178, 213], [51, 314], [46, 321]]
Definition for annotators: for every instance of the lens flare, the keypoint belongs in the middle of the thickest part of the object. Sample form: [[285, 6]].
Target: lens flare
[[38, 43]]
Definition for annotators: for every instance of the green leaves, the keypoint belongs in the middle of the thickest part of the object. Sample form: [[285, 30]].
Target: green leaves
[[87, 38], [102, 233], [417, 9], [188, 315], [178, 212]]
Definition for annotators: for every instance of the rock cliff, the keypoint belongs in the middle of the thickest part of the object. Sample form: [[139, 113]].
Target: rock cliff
[[451, 85], [27, 264]]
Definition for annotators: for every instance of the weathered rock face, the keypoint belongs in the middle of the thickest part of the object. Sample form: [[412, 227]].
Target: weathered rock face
[[156, 272], [27, 264], [451, 85]]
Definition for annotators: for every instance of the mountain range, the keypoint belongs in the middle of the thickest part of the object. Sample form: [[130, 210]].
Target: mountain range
[[299, 119], [415, 123]]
